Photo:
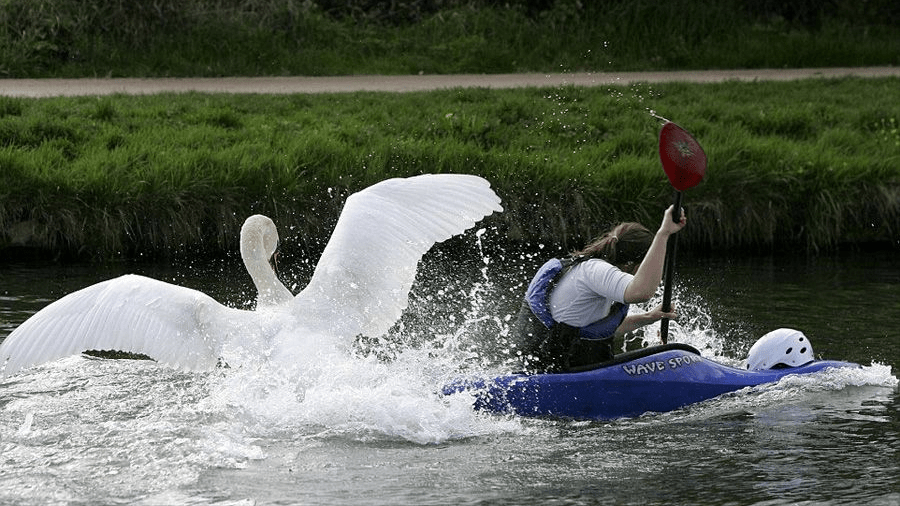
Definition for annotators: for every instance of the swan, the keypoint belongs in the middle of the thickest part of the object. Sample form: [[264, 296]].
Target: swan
[[75, 316], [360, 285]]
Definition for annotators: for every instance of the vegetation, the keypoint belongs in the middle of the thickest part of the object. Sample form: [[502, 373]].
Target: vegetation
[[75, 38], [806, 165]]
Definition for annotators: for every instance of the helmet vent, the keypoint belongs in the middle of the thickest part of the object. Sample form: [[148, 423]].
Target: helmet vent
[[789, 350], [803, 350]]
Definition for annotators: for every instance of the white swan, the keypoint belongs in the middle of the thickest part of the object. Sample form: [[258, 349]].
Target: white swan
[[360, 286]]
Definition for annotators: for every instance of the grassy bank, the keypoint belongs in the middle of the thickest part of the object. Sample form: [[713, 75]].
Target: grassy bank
[[75, 38], [806, 165]]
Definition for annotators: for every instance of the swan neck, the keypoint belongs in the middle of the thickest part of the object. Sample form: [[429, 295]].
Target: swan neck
[[271, 290]]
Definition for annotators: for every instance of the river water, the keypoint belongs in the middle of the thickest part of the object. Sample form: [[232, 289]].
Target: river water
[[371, 429]]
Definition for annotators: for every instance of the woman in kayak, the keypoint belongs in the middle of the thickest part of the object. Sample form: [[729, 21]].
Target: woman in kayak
[[574, 307]]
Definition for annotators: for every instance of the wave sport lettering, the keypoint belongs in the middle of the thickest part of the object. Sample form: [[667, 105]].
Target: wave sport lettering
[[658, 366]]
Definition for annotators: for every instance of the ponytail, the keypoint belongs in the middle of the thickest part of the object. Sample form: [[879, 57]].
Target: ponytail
[[624, 243]]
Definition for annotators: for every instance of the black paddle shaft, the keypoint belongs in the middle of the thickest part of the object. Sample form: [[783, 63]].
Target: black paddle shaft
[[671, 247]]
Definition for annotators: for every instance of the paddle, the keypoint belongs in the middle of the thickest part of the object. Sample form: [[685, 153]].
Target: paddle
[[685, 164]]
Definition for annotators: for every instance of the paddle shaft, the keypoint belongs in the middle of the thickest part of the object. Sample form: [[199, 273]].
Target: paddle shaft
[[671, 247]]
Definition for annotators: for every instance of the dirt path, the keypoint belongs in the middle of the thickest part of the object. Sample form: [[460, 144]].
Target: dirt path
[[275, 85]]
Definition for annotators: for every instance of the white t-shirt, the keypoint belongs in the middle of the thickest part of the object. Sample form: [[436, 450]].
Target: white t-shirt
[[585, 294]]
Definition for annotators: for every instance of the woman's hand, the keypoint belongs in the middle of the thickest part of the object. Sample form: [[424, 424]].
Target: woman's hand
[[635, 321], [657, 314], [669, 227]]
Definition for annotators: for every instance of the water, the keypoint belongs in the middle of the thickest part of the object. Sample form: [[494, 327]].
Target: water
[[370, 429]]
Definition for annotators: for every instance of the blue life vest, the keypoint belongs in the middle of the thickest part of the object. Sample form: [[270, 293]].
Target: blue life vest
[[538, 292], [537, 296]]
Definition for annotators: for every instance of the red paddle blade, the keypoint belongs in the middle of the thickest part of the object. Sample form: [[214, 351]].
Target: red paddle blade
[[682, 157]]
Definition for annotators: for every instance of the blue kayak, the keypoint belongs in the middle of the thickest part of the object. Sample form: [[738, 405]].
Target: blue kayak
[[654, 379]]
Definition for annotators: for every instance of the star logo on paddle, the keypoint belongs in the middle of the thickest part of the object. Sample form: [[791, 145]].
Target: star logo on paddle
[[684, 149]]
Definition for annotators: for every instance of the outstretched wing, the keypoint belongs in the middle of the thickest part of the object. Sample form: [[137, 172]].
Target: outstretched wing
[[362, 281], [174, 325]]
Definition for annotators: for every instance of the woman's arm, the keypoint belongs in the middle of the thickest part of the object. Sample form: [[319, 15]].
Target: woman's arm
[[649, 274]]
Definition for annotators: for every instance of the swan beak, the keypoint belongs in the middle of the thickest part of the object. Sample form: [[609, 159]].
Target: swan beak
[[274, 261]]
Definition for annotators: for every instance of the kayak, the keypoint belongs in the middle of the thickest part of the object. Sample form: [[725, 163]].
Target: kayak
[[654, 379]]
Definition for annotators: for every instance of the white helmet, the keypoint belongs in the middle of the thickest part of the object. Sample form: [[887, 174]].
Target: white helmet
[[784, 347]]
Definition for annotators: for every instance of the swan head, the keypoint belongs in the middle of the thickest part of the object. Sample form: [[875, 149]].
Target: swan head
[[259, 238], [259, 241]]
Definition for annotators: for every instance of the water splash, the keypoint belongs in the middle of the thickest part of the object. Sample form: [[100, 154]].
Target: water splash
[[384, 387], [694, 326]]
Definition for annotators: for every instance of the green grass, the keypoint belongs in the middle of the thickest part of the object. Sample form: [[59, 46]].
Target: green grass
[[69, 38], [803, 165]]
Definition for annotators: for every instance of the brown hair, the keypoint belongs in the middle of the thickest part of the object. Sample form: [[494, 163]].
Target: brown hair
[[624, 243]]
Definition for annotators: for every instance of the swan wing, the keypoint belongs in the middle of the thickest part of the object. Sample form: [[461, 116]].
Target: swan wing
[[362, 281], [176, 326]]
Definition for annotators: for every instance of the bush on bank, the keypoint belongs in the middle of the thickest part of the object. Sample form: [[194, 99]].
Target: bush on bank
[[77, 38], [803, 165]]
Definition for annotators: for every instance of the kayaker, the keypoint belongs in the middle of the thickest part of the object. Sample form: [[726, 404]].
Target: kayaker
[[574, 307]]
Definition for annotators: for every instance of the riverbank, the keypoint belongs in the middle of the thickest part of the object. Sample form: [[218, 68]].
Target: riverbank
[[808, 164]]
